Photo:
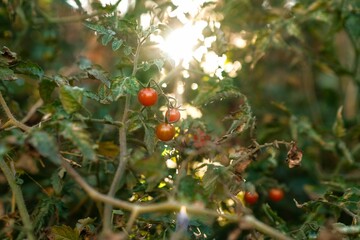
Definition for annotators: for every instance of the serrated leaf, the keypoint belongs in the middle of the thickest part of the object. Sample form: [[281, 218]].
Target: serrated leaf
[[106, 39], [100, 75], [116, 44], [7, 74], [46, 88], [46, 145], [149, 139], [28, 68], [127, 50], [56, 181], [123, 86], [84, 63], [91, 95], [159, 63], [76, 133], [98, 28], [71, 98], [64, 233]]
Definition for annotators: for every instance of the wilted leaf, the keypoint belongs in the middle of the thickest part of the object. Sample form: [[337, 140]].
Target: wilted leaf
[[64, 233], [108, 149], [46, 145], [294, 156], [80, 138], [71, 98], [338, 126], [7, 57]]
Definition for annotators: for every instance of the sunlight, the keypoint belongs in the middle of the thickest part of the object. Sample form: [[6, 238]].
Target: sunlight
[[181, 43]]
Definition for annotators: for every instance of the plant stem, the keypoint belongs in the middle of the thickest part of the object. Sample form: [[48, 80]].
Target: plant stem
[[123, 151], [169, 206], [18, 198], [261, 227], [11, 117]]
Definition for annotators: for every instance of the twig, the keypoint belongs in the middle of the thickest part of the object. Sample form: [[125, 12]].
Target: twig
[[18, 198], [32, 110], [261, 227], [11, 117], [169, 206]]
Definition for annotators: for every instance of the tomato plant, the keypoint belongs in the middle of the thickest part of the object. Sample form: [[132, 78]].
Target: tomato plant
[[251, 197], [147, 96], [81, 96], [165, 131], [172, 115], [276, 194]]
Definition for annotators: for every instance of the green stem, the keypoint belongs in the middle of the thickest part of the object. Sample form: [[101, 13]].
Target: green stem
[[123, 159], [18, 198]]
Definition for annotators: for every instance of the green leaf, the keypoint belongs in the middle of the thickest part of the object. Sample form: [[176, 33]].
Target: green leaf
[[7, 74], [98, 28], [71, 98], [127, 50], [46, 88], [46, 145], [123, 86], [116, 44], [29, 68], [64, 233], [149, 138], [57, 181], [106, 39], [84, 63], [159, 63], [100, 75], [76, 133]]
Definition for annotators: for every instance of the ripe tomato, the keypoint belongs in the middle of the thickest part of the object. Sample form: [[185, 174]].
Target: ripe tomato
[[251, 197], [276, 194], [147, 96], [165, 131], [172, 115]]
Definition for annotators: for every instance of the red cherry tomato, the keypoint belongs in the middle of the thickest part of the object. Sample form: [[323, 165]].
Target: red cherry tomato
[[276, 194], [251, 197], [147, 96], [165, 131], [173, 115]]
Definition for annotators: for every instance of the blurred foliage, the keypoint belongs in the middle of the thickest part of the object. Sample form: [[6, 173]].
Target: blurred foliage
[[293, 99]]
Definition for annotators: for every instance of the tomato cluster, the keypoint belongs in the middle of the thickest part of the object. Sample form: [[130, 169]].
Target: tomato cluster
[[164, 131], [275, 194]]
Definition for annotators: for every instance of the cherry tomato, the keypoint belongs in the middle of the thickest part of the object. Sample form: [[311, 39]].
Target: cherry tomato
[[165, 131], [276, 194], [251, 197], [173, 115], [147, 96]]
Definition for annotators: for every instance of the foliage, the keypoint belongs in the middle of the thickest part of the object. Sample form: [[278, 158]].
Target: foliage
[[277, 107]]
